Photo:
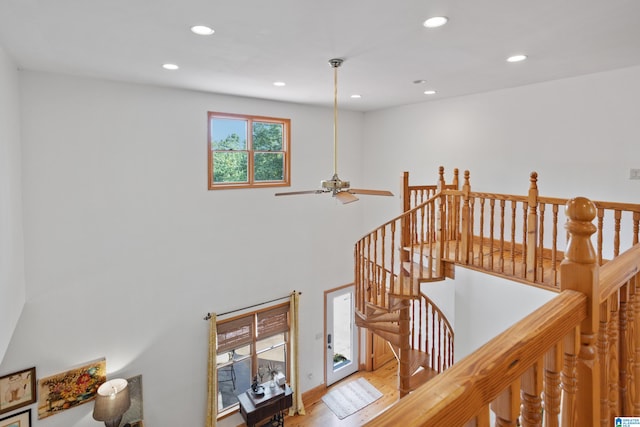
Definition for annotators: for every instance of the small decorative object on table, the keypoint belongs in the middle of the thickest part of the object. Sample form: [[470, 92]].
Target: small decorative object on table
[[256, 388]]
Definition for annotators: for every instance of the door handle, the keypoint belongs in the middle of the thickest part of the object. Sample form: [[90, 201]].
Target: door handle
[[329, 341]]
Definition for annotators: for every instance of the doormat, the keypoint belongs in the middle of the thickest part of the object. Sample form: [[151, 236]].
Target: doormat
[[349, 398]]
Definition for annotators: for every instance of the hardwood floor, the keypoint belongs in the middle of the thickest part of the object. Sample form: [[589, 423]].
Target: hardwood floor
[[318, 414]]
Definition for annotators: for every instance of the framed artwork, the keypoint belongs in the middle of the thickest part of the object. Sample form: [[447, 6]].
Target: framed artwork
[[71, 388], [17, 390], [21, 419]]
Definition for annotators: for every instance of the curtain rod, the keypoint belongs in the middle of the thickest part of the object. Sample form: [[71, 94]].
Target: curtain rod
[[208, 316]]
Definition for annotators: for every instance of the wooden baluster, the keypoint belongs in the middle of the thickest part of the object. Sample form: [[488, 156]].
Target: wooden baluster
[[612, 378], [455, 208], [383, 270], [554, 246], [569, 380], [523, 261], [392, 255], [441, 236], [492, 205], [374, 267], [579, 272], [472, 211], [423, 240], [624, 353], [465, 226], [507, 406], [531, 227], [502, 205], [634, 378], [531, 408], [616, 235], [552, 368], [481, 250], [600, 233], [513, 237], [603, 354], [540, 251]]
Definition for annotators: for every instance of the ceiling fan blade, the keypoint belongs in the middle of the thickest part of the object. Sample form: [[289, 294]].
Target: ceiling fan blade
[[293, 193], [345, 197], [370, 192]]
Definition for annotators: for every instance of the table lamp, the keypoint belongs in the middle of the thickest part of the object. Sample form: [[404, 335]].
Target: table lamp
[[112, 400]]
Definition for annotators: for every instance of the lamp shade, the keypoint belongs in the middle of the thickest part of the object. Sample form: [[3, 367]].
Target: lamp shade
[[112, 400]]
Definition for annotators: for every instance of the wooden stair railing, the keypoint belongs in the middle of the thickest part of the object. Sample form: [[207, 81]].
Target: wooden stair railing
[[573, 362], [518, 237], [390, 264]]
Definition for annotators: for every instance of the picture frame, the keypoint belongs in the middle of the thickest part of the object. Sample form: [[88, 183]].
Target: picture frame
[[21, 419], [71, 388], [17, 389]]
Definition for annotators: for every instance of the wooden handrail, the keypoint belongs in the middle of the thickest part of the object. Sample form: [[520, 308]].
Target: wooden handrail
[[455, 397]]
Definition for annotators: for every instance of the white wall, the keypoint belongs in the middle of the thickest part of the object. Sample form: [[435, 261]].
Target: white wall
[[12, 282], [127, 250], [486, 305], [580, 134]]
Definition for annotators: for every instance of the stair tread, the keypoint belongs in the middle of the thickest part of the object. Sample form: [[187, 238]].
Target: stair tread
[[421, 377]]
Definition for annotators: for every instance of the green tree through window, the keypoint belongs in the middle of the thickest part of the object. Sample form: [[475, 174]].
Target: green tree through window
[[239, 158]]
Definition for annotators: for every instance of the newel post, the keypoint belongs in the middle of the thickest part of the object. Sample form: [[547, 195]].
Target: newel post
[[532, 228], [579, 272]]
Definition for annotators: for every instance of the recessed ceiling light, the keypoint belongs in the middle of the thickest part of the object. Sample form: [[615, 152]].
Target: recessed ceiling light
[[356, 96], [170, 66], [279, 84], [429, 92], [435, 22], [202, 30], [419, 82], [516, 58]]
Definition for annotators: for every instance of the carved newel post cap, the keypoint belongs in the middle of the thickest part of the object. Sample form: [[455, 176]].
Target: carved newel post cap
[[580, 213], [580, 209]]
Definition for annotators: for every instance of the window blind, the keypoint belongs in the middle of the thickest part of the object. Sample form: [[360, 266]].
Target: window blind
[[235, 333], [273, 321]]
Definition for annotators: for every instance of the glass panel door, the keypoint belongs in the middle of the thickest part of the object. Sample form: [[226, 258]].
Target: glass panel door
[[341, 336]]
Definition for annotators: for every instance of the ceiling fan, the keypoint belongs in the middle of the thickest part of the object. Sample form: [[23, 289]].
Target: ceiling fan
[[338, 188]]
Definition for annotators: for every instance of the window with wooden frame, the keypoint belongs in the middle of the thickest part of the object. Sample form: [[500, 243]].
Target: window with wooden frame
[[248, 151], [253, 344]]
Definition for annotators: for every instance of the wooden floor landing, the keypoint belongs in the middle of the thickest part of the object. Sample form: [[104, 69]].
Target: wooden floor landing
[[503, 260], [318, 414]]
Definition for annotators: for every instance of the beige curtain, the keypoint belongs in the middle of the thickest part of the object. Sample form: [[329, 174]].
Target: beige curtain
[[298, 406], [212, 380]]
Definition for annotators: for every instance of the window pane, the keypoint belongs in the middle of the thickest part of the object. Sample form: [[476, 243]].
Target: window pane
[[228, 134], [272, 341], [273, 360], [268, 166], [267, 136], [234, 378], [230, 166]]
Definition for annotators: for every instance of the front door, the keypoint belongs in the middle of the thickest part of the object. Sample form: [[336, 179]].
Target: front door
[[341, 334]]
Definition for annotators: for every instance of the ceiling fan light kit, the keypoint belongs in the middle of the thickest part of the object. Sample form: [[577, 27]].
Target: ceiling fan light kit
[[338, 188]]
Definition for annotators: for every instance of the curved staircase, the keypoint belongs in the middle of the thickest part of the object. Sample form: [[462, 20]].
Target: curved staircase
[[443, 225]]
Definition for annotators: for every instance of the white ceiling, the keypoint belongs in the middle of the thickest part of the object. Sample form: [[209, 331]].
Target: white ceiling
[[384, 44]]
